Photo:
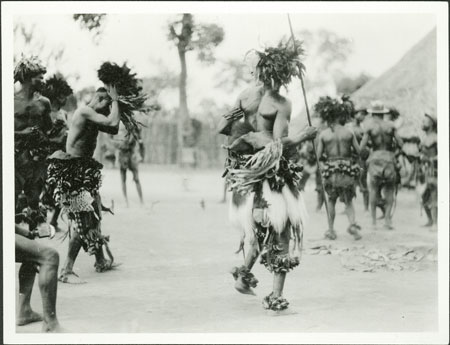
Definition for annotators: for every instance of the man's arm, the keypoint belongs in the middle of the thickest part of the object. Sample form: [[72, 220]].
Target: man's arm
[[320, 146], [398, 139], [224, 125], [355, 144], [47, 122], [365, 139], [281, 125], [20, 230]]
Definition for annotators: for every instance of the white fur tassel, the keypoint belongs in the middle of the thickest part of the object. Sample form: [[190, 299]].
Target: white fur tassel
[[277, 211], [296, 208], [241, 217]]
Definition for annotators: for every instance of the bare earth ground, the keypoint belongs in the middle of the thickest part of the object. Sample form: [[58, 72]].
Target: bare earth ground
[[176, 258]]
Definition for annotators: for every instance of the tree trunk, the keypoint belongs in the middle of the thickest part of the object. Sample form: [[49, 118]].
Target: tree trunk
[[183, 110]]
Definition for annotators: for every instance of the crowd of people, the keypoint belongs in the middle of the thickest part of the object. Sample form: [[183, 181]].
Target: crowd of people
[[267, 168], [266, 171]]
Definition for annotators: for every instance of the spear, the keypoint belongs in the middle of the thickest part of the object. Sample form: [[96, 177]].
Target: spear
[[310, 124]]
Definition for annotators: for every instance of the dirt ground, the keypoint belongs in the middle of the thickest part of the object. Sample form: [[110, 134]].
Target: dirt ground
[[176, 255]]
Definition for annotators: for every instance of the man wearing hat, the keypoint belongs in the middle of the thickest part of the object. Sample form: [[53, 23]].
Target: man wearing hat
[[428, 169], [383, 174]]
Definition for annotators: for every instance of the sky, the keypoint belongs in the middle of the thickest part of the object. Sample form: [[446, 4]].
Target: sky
[[379, 41]]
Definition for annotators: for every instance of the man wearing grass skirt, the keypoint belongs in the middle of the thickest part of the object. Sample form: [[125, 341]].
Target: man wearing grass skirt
[[338, 146], [75, 178], [266, 204]]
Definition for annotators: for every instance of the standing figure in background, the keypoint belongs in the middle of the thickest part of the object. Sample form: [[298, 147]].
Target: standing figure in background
[[382, 162], [131, 152], [428, 169], [358, 129], [57, 90], [341, 170], [75, 178]]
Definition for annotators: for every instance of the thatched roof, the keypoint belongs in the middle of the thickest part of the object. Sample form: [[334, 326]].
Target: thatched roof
[[410, 85]]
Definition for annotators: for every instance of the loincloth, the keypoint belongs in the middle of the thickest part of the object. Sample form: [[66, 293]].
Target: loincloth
[[74, 183], [268, 206], [382, 167], [428, 176], [340, 177], [128, 159]]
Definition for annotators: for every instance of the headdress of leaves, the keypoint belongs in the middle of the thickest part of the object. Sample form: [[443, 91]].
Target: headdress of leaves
[[56, 87], [330, 109], [27, 68], [277, 65], [131, 98]]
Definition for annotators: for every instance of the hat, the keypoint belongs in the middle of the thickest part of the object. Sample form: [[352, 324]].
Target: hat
[[432, 118], [377, 107]]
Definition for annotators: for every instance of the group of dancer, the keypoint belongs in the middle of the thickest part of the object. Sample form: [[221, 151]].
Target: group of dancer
[[264, 173], [54, 168]]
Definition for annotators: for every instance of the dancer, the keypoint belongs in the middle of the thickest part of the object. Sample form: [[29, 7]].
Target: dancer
[[30, 254], [32, 123], [75, 178], [382, 164], [428, 169], [358, 129], [57, 90], [340, 170], [266, 203]]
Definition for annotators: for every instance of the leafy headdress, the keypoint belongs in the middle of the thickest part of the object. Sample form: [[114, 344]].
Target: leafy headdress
[[131, 98], [55, 88], [27, 68], [331, 109], [277, 65]]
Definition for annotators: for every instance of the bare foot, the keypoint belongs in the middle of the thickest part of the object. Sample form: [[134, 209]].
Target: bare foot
[[388, 226], [428, 224], [70, 278], [52, 327], [331, 235], [353, 230], [28, 317]]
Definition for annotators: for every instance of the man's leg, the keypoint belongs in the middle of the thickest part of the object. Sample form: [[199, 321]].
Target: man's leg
[[123, 178], [67, 274], [242, 280], [29, 252], [373, 196], [331, 233], [138, 184], [389, 192], [350, 212]]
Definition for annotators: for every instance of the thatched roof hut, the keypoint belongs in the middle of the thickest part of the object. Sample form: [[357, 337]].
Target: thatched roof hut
[[410, 85]]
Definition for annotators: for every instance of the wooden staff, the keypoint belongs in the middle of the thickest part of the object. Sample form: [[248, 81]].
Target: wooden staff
[[310, 124]]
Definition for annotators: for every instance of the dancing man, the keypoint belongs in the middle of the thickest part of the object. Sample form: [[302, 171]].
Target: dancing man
[[428, 169], [340, 170], [57, 90], [382, 163], [32, 123], [358, 129], [266, 202], [75, 178]]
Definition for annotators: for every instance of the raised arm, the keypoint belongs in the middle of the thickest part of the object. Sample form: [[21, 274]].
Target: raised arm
[[105, 121]]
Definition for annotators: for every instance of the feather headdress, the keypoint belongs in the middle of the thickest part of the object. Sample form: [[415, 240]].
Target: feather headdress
[[331, 109], [130, 93], [56, 87]]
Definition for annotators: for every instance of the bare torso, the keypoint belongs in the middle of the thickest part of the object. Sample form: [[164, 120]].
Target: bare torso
[[271, 107], [82, 137], [249, 101], [337, 142], [30, 113], [358, 130], [381, 134]]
